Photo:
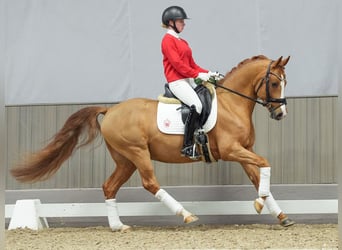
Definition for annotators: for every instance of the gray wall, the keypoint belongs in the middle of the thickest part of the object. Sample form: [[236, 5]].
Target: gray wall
[[301, 149], [2, 138], [59, 52]]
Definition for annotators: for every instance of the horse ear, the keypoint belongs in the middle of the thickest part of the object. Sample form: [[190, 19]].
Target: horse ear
[[285, 61], [278, 62]]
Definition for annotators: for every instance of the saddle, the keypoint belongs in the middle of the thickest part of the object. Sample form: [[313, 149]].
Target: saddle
[[205, 97], [206, 93]]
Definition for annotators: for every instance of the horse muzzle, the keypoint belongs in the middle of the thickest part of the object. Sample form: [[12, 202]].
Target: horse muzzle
[[278, 113]]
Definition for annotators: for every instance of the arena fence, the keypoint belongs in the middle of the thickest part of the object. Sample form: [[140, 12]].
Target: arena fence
[[201, 200]]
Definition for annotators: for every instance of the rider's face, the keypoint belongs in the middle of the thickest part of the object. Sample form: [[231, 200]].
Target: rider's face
[[180, 25]]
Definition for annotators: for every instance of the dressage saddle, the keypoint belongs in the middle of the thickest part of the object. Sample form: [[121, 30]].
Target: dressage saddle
[[206, 100]]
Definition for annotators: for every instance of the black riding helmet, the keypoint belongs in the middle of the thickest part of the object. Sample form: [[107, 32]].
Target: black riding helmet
[[173, 13]]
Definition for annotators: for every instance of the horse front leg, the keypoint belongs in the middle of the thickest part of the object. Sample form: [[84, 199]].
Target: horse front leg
[[253, 173], [247, 157]]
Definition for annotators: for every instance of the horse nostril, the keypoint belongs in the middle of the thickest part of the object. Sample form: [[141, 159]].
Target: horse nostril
[[279, 116]]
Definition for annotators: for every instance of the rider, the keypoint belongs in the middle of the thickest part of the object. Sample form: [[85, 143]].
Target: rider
[[180, 70]]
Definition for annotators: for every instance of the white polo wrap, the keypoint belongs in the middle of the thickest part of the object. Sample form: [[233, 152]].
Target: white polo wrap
[[113, 215], [272, 205], [169, 201], [264, 185]]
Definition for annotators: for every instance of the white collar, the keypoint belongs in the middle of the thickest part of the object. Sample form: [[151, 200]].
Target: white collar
[[173, 33]]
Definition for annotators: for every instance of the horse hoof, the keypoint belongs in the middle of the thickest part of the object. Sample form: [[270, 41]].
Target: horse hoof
[[286, 222], [123, 228], [190, 219], [258, 205]]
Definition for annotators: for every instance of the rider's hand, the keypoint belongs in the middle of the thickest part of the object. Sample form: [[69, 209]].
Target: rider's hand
[[203, 76], [214, 74]]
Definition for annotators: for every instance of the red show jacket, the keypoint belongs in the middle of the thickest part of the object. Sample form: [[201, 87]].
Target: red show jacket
[[177, 59]]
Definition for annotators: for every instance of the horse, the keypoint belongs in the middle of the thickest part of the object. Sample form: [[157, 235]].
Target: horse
[[133, 140]]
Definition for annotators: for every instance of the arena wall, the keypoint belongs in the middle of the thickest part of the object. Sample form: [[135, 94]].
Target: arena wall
[[301, 149]]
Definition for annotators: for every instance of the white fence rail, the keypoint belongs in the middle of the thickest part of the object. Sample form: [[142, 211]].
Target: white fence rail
[[198, 208], [201, 200]]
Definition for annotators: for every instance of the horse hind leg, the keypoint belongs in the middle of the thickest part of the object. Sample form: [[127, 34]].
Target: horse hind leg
[[123, 171], [150, 183], [175, 206], [252, 172]]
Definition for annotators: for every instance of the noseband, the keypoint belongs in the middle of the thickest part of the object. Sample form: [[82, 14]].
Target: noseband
[[269, 99]]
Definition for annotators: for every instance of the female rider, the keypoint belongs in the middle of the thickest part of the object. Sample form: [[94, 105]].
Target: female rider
[[180, 70]]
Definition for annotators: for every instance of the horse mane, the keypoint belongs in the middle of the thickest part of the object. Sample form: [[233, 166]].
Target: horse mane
[[244, 62]]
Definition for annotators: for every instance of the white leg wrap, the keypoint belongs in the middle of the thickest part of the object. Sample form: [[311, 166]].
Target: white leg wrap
[[185, 213], [113, 215], [264, 185], [272, 205], [169, 201]]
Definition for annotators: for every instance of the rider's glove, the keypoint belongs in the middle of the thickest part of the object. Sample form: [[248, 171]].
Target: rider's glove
[[204, 76], [214, 74]]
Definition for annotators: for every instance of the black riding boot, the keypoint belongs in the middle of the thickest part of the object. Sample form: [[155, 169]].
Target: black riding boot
[[191, 124]]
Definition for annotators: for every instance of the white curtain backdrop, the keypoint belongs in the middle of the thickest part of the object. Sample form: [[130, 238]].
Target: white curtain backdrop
[[98, 51]]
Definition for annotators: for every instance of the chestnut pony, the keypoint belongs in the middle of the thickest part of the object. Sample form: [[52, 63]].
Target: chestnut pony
[[133, 139]]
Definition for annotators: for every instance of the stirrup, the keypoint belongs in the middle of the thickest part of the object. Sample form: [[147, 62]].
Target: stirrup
[[191, 152]]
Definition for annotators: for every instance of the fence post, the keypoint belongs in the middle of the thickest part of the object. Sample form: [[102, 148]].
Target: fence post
[[26, 215]]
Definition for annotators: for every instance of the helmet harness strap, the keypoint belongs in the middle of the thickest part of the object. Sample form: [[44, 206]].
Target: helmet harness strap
[[173, 26]]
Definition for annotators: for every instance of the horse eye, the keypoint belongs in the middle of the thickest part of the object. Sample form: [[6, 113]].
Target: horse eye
[[274, 84]]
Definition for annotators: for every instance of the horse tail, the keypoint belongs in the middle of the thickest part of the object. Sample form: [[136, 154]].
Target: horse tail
[[44, 163]]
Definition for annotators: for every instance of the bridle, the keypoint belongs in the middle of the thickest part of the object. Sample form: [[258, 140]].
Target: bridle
[[266, 80], [269, 99]]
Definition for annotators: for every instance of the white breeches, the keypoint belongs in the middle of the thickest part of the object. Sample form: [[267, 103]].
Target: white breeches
[[184, 90]]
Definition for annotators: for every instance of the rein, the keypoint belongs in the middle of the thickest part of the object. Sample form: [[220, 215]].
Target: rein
[[214, 82], [269, 99]]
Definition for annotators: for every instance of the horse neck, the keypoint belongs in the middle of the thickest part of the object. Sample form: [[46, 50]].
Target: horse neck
[[242, 80]]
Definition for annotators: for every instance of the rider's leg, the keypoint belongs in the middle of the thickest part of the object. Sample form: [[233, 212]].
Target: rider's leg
[[184, 92], [191, 124]]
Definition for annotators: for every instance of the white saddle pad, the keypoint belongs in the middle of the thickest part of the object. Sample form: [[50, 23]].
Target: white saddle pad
[[169, 119]]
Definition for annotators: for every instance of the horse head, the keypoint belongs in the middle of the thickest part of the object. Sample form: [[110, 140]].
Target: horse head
[[271, 88], [260, 80]]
